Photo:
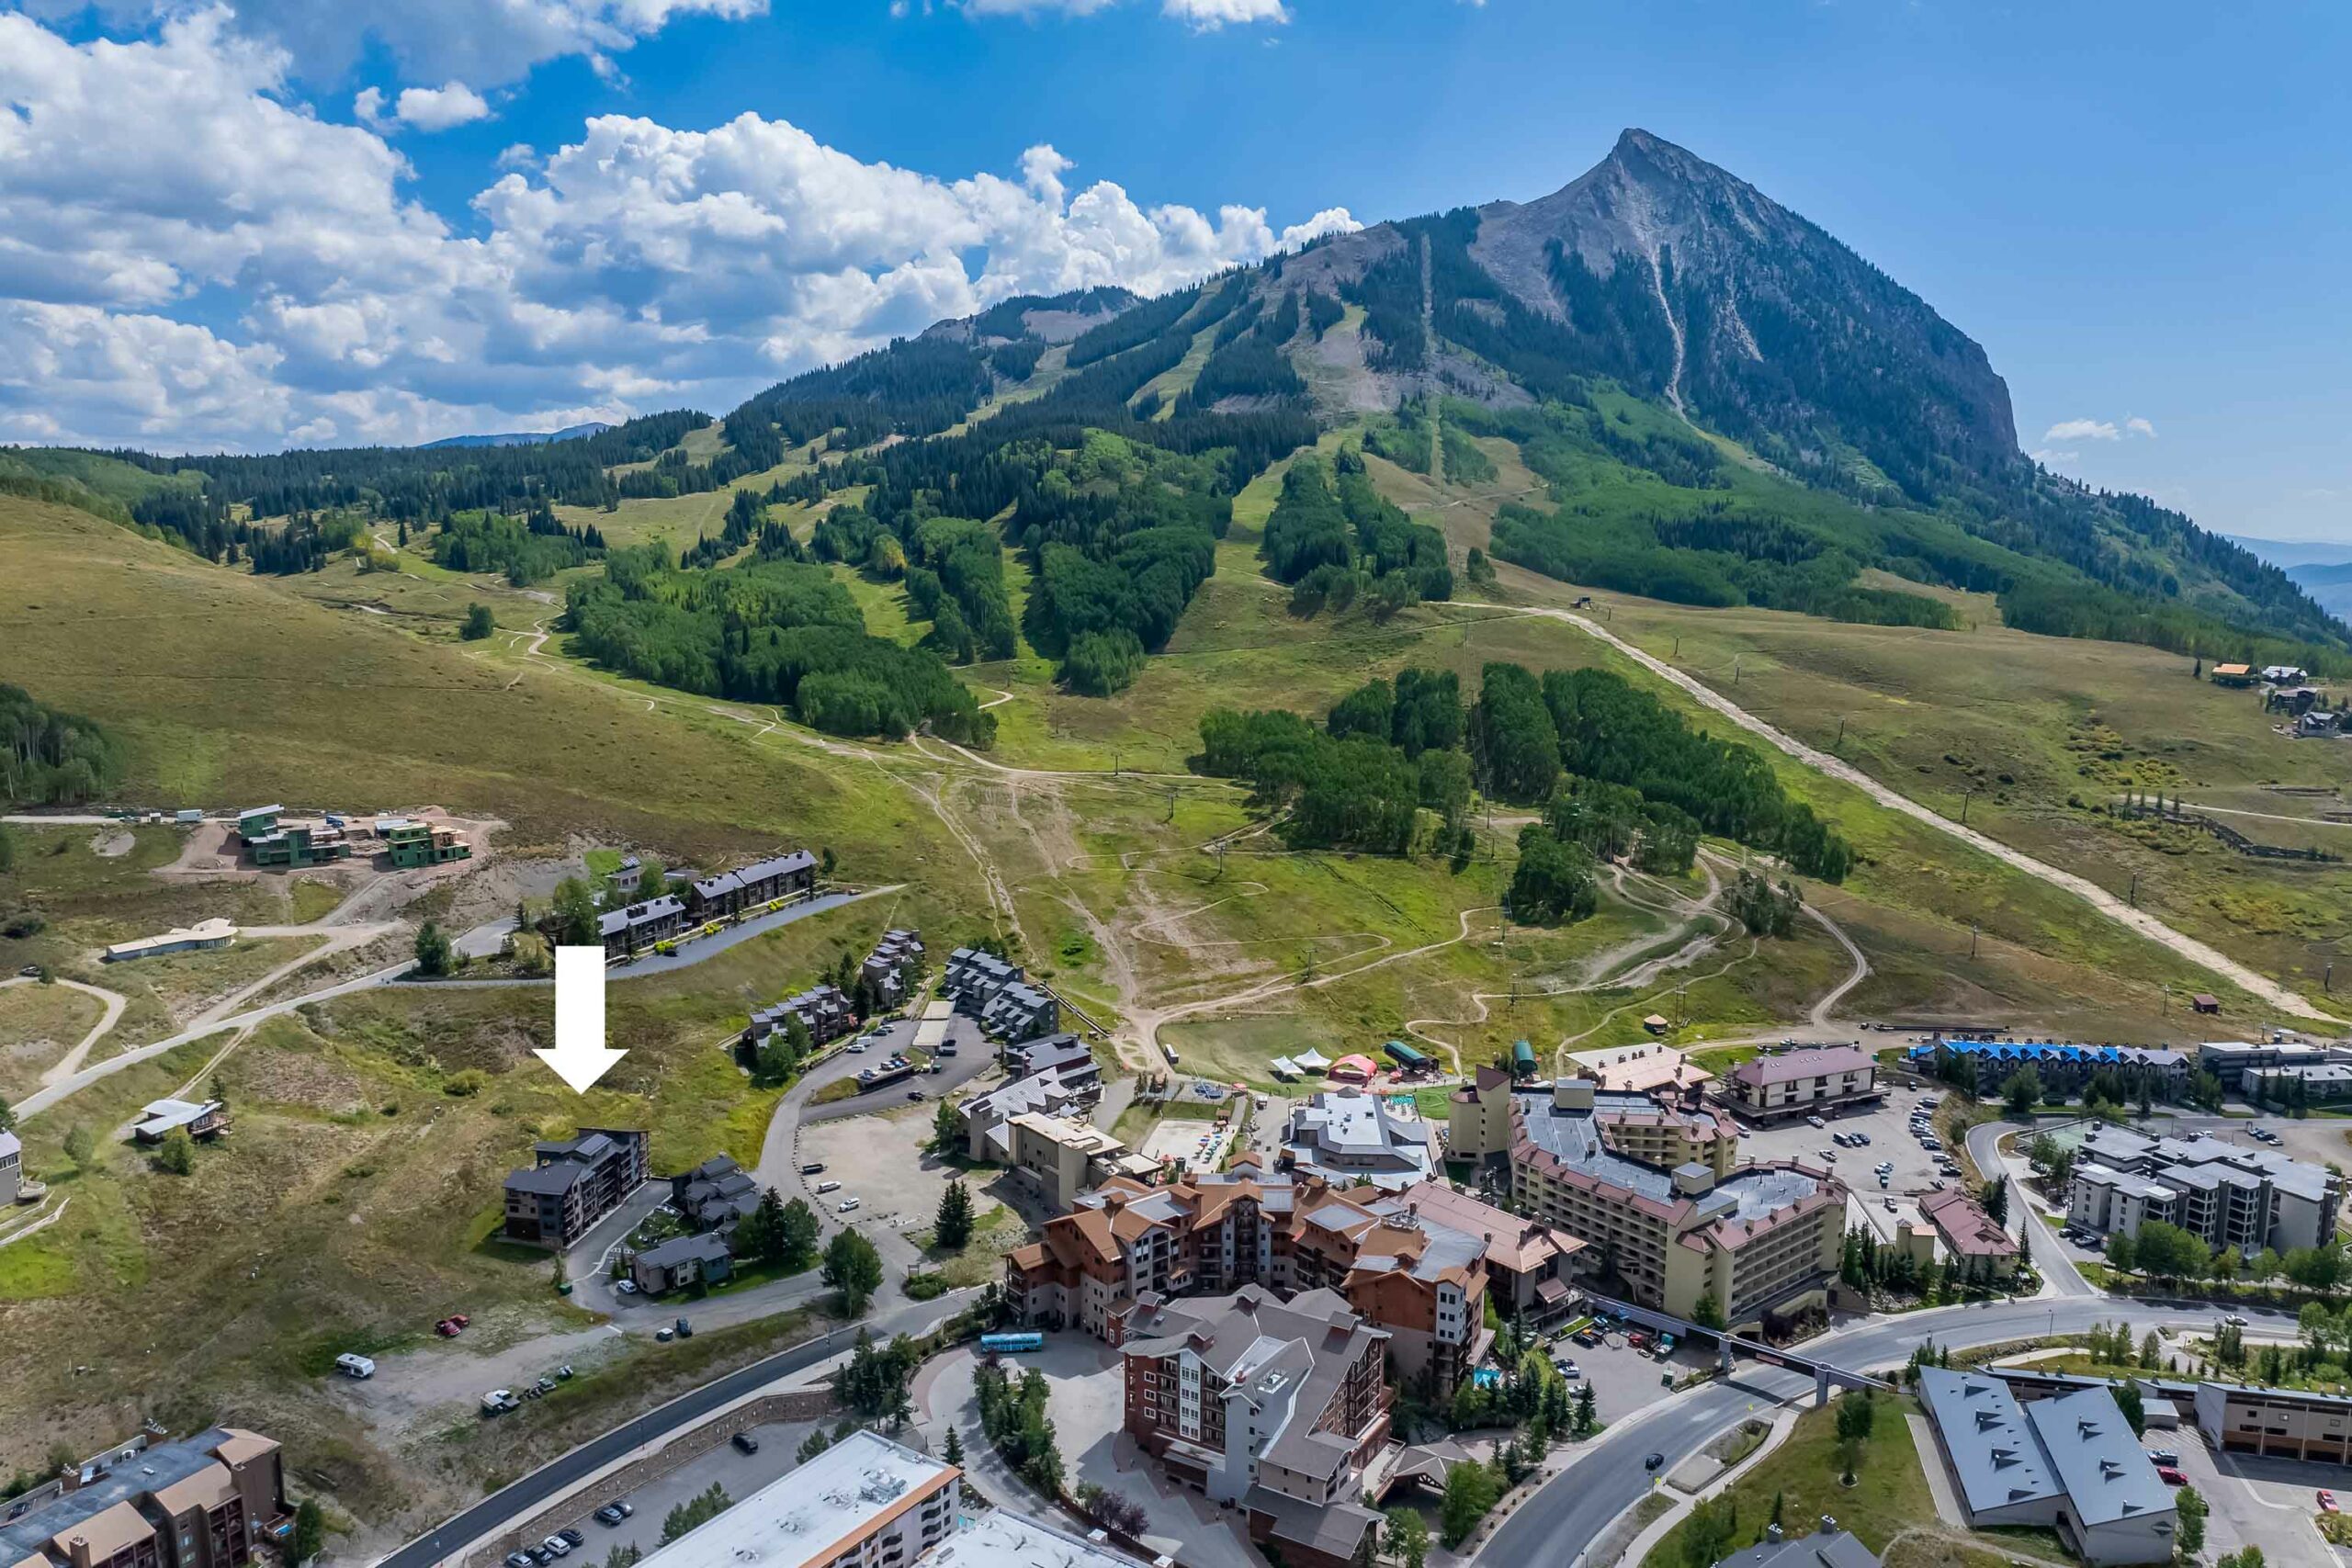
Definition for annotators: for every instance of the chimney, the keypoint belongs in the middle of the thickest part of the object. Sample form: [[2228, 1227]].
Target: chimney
[[1772, 1534], [1828, 1525]]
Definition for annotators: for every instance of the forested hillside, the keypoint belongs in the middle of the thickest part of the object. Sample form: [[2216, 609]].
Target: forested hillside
[[1724, 407]]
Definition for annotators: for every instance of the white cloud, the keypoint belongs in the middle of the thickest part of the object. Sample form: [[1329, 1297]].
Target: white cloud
[[638, 266], [486, 42], [1201, 15], [439, 109], [2098, 430], [2082, 430], [1207, 15]]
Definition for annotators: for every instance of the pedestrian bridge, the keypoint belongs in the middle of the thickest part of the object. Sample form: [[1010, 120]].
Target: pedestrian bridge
[[1824, 1374]]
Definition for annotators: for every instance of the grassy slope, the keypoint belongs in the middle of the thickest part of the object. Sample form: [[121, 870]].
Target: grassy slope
[[228, 688]]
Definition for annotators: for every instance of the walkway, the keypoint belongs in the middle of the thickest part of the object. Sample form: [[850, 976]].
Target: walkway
[[113, 1002]]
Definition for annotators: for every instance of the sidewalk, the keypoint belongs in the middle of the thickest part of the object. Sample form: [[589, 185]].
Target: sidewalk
[[1784, 1421]]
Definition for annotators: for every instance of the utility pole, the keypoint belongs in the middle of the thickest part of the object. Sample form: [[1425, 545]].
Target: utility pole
[[1972, 932], [2133, 897], [1677, 648], [1734, 670], [1840, 743], [1114, 762], [1966, 795]]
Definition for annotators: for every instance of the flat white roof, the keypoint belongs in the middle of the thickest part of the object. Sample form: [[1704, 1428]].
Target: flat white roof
[[807, 1514], [998, 1539]]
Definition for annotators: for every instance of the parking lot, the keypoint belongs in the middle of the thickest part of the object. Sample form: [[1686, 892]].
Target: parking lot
[[974, 1055], [1916, 1171], [2264, 1503], [1626, 1380], [740, 1473]]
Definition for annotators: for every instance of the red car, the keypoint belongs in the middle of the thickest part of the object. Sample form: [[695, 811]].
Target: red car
[[1637, 1340], [2326, 1501], [2171, 1477], [451, 1327]]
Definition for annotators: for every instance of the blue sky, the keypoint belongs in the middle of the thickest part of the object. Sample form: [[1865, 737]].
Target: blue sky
[[2139, 210]]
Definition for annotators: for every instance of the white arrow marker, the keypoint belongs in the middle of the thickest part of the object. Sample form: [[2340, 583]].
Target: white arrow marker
[[580, 1056]]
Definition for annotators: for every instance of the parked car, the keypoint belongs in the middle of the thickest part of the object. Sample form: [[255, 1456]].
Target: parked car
[[572, 1535], [1653, 1461], [1862, 1137], [2236, 1320], [614, 1513], [624, 1287], [2163, 1456], [1890, 1199], [499, 1401], [1829, 1154], [539, 1555], [1588, 1338], [1568, 1370], [686, 1329], [846, 1205], [556, 1546], [824, 1186], [2171, 1475], [857, 1047], [452, 1325], [519, 1560], [663, 1336], [1815, 1121], [914, 1094], [814, 1168], [2326, 1501], [745, 1443]]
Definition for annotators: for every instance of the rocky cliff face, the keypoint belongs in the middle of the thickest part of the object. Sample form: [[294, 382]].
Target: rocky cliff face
[[1754, 321]]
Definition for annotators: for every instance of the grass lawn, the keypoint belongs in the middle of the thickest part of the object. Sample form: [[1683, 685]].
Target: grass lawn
[[1890, 1494]]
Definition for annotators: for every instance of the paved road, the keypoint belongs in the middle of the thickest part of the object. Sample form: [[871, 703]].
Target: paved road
[[2051, 1259], [1606, 1476], [494, 1512]]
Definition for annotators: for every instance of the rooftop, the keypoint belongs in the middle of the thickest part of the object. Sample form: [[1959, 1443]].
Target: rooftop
[[129, 1474], [1828, 1547], [1998, 1459], [1789, 1066], [814, 1511], [1000, 1538], [2097, 1458]]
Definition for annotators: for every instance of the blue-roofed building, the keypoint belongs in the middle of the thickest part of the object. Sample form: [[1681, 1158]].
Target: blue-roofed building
[[209, 1501], [2063, 1069]]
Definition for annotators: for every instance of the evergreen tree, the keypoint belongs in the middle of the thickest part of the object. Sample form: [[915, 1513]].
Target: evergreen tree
[[433, 954], [952, 1229]]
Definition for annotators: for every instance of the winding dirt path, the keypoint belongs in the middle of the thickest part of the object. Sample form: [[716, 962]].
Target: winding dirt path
[[2089, 892], [65, 1066]]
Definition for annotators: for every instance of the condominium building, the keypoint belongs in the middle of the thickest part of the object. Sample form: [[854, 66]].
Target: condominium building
[[1000, 994], [893, 965], [1648, 1068], [1353, 1134], [1271, 1406], [790, 875], [865, 1502], [12, 1168], [1054, 1077], [823, 1010], [1418, 1264], [574, 1183], [2228, 1195], [636, 927], [1064, 1156], [2062, 1069], [1796, 1083], [2232, 1060], [208, 1502], [2281, 1423], [1659, 1195]]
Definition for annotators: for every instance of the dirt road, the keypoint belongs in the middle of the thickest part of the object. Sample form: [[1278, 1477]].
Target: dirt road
[[2090, 892]]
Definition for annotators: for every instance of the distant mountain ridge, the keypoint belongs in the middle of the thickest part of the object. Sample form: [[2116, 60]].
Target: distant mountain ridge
[[522, 437]]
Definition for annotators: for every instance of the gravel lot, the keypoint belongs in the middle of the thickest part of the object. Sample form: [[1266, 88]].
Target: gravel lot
[[881, 1160]]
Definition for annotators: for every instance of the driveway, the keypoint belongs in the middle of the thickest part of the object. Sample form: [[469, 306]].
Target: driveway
[[2053, 1258], [2264, 1503], [1088, 1405]]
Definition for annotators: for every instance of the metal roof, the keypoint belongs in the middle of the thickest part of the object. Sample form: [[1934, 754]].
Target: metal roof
[[2097, 1458], [1993, 1450]]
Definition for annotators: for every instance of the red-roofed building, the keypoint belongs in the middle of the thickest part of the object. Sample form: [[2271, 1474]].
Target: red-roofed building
[[1800, 1083], [1974, 1243]]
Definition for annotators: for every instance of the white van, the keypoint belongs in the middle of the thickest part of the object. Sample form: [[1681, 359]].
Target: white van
[[353, 1365], [824, 1186]]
